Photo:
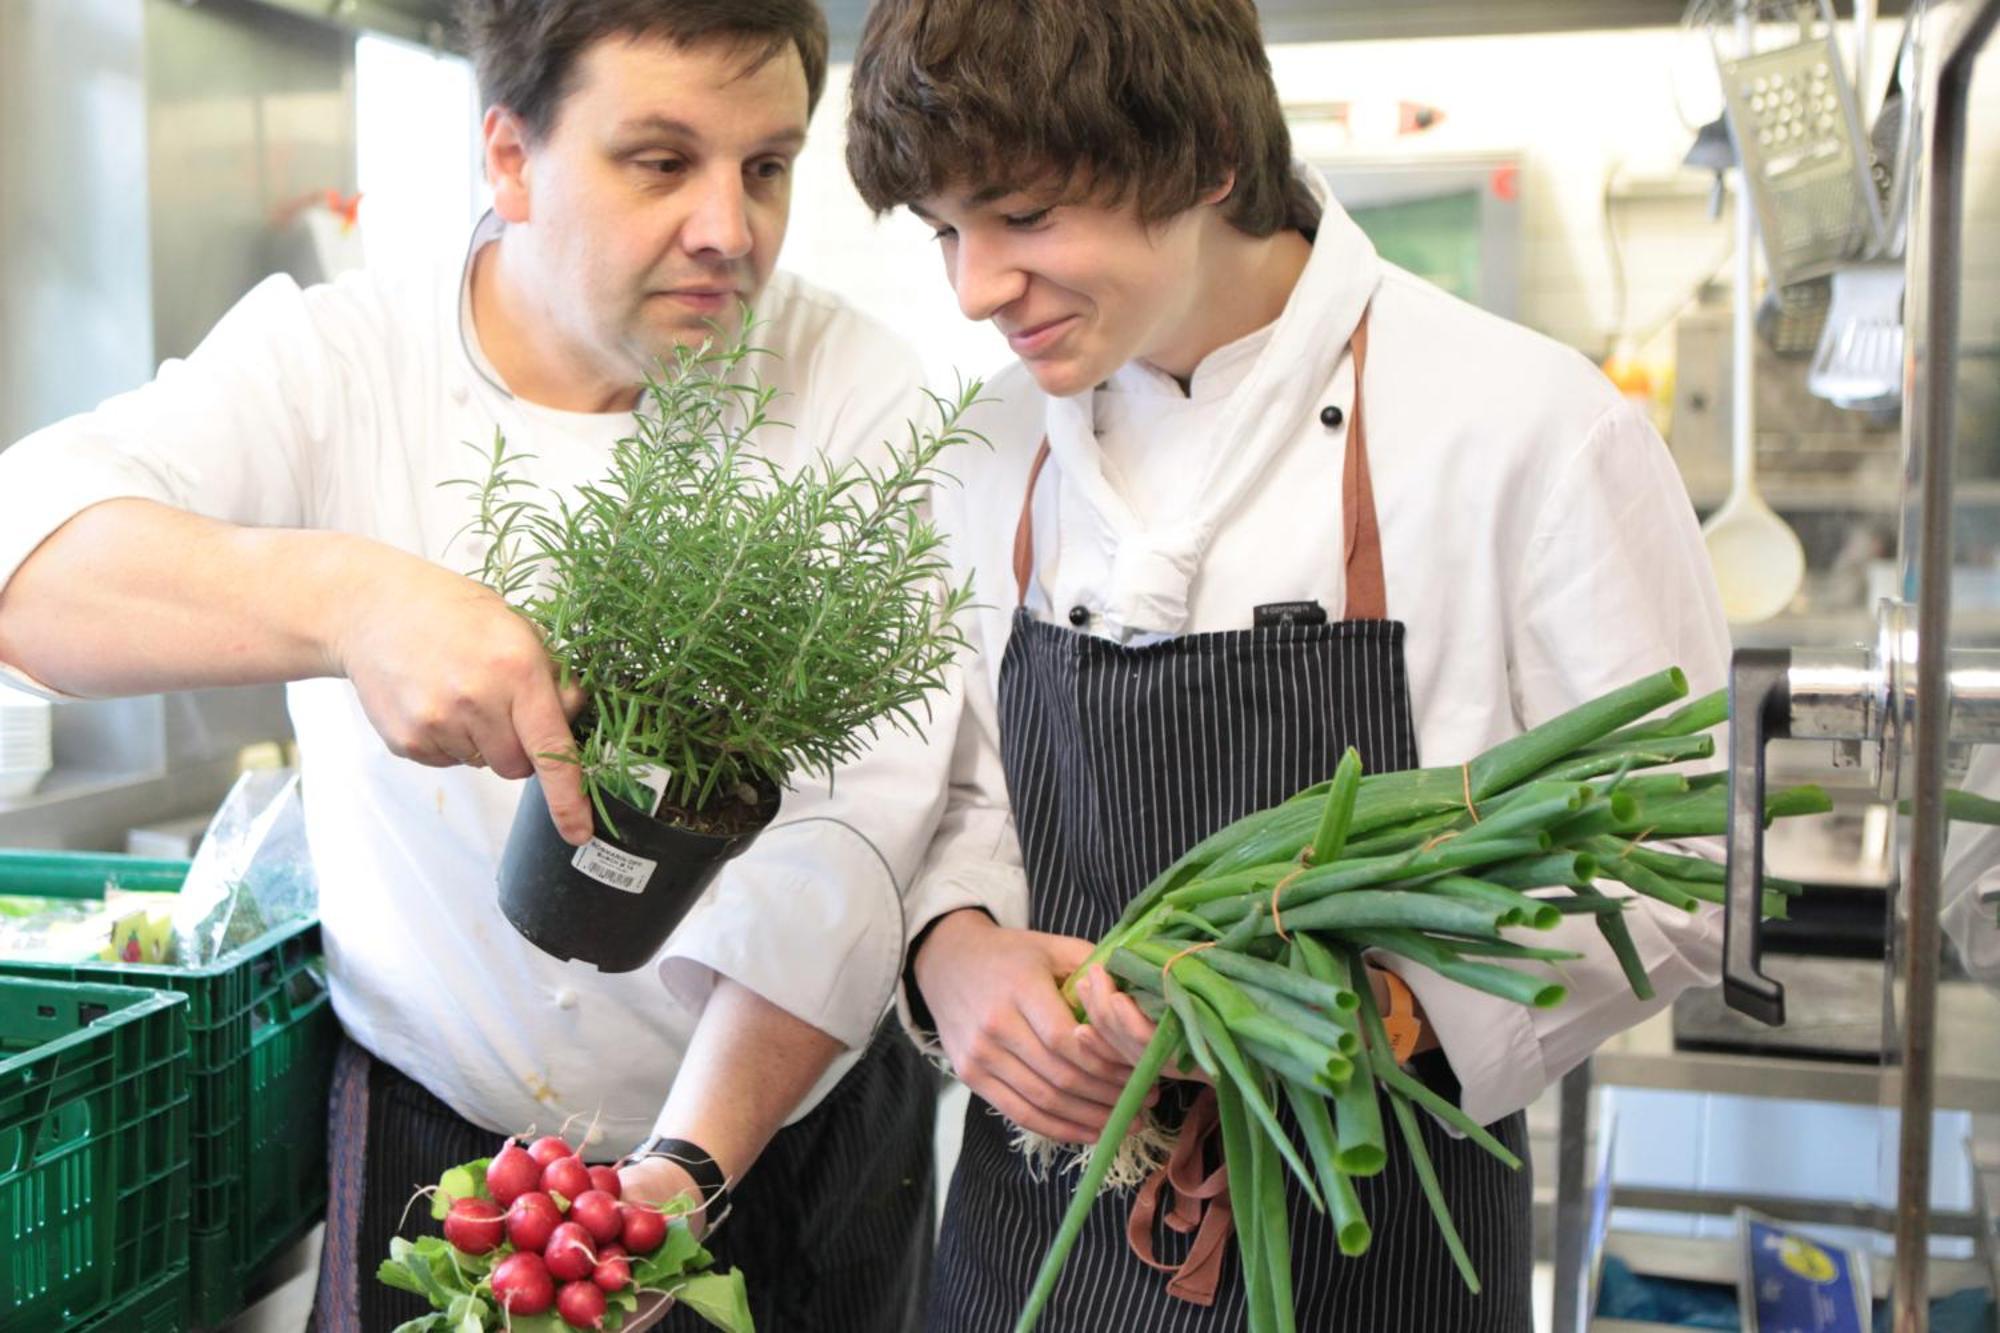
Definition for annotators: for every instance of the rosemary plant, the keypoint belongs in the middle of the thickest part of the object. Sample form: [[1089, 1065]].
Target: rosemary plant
[[728, 623]]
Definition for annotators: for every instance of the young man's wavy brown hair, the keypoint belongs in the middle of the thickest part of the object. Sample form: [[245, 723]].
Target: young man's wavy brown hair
[[1152, 102], [525, 51]]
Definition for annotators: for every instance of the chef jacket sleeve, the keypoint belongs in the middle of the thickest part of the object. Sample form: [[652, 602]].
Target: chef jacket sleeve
[[1616, 585], [234, 432], [230, 432]]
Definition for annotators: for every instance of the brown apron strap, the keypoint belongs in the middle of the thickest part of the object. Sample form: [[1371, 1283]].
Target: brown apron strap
[[1367, 598], [1024, 531], [1198, 1201]]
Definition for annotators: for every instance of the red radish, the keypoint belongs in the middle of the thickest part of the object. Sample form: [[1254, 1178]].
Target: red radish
[[567, 1176], [548, 1148], [645, 1228], [606, 1178], [532, 1220], [510, 1174], [522, 1285], [475, 1226], [571, 1253], [614, 1271], [581, 1305], [598, 1213]]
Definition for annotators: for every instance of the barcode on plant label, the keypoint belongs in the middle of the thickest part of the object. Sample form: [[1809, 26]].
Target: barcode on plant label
[[613, 868]]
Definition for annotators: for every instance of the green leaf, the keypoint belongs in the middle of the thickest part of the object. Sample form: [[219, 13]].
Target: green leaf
[[678, 1254], [478, 1170], [424, 1324], [457, 1183], [720, 1298], [537, 1323], [392, 1272], [467, 1314], [414, 1262]]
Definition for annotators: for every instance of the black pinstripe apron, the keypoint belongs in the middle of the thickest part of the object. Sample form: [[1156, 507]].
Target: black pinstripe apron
[[1118, 759]]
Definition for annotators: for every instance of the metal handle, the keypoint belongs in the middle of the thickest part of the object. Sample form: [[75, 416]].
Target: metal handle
[[1760, 709]]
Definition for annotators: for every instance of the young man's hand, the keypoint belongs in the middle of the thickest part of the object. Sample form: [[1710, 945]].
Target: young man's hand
[[995, 996], [448, 674], [1117, 1018]]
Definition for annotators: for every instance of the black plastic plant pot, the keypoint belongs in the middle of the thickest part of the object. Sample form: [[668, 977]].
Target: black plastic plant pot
[[612, 902]]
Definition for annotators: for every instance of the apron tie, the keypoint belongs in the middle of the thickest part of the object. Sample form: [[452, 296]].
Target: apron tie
[[1199, 1202]]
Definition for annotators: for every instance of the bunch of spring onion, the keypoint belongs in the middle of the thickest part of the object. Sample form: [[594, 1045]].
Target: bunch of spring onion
[[1247, 951]]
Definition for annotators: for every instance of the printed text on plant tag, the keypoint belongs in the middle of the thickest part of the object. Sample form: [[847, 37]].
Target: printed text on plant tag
[[609, 866]]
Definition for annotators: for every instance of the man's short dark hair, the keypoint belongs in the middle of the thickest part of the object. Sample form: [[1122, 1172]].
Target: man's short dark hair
[[525, 51], [1159, 102]]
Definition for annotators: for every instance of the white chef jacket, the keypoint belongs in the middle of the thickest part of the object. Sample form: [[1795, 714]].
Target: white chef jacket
[[345, 407], [1537, 542]]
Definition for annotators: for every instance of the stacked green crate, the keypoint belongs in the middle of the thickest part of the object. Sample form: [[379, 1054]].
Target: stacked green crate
[[94, 1154], [263, 1036]]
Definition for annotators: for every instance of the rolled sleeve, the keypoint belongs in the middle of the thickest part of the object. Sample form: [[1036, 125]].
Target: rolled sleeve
[[1504, 1054], [51, 477], [1616, 585], [1491, 1044], [231, 432], [810, 918], [975, 859]]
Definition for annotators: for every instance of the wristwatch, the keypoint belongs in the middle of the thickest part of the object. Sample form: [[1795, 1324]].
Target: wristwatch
[[706, 1172]]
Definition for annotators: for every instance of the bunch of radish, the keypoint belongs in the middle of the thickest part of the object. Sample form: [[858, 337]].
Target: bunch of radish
[[539, 1241], [569, 1231]]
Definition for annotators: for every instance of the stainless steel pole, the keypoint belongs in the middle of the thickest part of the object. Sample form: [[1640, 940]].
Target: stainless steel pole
[[1931, 427]]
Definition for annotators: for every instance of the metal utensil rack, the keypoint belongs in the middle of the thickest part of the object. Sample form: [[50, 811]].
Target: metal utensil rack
[[1910, 696]]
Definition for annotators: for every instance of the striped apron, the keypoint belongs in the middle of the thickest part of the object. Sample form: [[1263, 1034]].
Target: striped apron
[[1117, 760]]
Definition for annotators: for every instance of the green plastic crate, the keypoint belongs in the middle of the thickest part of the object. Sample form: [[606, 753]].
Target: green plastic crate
[[94, 1151], [160, 1307], [264, 1037]]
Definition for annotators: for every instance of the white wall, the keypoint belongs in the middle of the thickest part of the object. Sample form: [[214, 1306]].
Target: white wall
[[888, 267], [416, 149]]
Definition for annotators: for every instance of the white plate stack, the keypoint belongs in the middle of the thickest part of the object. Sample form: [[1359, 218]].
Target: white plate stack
[[25, 751]]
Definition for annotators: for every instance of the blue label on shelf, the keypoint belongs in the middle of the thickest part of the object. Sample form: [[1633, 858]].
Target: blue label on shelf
[[1798, 1285]]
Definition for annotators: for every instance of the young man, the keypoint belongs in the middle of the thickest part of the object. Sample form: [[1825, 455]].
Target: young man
[[1254, 496], [273, 509]]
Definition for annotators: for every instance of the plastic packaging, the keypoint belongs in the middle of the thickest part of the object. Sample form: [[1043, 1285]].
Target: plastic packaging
[[252, 872]]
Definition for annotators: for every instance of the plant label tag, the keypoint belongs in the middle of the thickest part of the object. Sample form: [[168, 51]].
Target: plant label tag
[[654, 779], [612, 868]]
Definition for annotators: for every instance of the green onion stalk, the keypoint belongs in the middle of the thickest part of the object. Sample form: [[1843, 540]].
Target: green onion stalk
[[1248, 950]]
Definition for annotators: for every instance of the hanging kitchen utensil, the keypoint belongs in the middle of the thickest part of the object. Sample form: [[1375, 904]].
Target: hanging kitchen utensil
[[1859, 361], [1758, 561], [1798, 132]]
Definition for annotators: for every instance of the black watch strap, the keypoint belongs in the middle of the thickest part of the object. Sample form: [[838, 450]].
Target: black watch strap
[[706, 1172]]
